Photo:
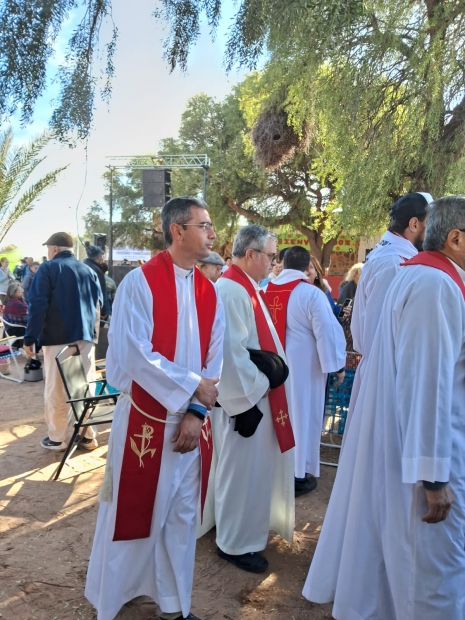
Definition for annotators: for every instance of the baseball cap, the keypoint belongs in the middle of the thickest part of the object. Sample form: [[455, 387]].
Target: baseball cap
[[213, 259], [60, 239], [410, 205]]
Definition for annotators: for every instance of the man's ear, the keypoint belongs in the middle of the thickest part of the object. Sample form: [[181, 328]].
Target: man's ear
[[176, 231], [454, 239]]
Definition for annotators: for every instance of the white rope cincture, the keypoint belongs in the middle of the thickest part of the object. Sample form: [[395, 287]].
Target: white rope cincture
[[128, 397]]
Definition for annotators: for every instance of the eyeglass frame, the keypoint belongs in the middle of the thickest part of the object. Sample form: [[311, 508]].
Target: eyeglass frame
[[205, 226], [272, 260]]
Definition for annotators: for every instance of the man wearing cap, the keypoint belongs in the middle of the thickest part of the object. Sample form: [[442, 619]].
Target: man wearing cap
[[94, 260], [402, 240], [211, 266], [392, 542], [63, 306]]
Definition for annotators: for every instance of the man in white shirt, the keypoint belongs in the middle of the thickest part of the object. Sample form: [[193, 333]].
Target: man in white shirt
[[402, 240], [165, 355], [254, 479], [392, 543], [315, 345]]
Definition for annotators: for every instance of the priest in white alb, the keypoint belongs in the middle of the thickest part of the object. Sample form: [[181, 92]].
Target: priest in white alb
[[165, 355], [315, 345], [254, 477], [403, 240], [392, 542]]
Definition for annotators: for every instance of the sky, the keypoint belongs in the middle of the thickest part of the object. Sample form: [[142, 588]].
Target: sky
[[146, 106]]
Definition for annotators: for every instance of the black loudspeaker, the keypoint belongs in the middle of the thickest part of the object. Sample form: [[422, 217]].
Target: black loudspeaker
[[100, 240], [156, 188]]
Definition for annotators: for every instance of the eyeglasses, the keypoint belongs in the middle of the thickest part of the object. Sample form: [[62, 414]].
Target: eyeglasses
[[271, 257], [207, 226]]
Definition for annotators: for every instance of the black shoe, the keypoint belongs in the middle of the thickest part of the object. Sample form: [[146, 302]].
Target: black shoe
[[189, 617], [305, 485], [56, 446], [251, 562]]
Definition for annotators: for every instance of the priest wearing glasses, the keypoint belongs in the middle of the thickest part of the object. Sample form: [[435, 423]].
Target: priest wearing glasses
[[165, 355], [253, 485]]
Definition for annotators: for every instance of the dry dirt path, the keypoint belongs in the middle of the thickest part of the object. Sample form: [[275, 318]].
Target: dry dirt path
[[46, 531]]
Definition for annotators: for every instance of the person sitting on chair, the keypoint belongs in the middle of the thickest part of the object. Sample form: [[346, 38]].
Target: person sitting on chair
[[15, 312]]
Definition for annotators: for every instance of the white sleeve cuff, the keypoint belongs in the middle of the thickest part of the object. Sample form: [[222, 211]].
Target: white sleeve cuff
[[425, 468]]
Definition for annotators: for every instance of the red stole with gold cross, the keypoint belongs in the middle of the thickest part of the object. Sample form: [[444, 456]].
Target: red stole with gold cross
[[144, 439], [277, 397], [277, 296], [438, 261]]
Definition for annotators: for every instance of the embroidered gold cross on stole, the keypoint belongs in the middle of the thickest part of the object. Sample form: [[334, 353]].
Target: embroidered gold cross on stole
[[147, 434], [274, 308], [281, 419], [206, 432]]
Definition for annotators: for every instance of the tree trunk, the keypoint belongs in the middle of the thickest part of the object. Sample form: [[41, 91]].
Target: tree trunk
[[321, 251]]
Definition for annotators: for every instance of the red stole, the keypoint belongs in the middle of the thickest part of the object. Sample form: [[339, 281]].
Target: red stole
[[277, 296], [438, 261], [144, 439], [277, 397]]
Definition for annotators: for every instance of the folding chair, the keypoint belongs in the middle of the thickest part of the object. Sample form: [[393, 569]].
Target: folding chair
[[9, 341], [86, 406]]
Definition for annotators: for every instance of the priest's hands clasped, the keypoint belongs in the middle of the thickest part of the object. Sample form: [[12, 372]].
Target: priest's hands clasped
[[187, 435], [207, 392]]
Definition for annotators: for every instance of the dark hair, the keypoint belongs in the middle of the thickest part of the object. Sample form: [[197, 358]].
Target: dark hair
[[104, 266], [296, 257], [398, 226], [319, 274], [35, 263], [178, 211], [281, 254]]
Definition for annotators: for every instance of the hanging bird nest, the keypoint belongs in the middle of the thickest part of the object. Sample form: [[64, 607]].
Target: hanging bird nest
[[275, 140]]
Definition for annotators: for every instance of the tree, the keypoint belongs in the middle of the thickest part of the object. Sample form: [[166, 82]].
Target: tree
[[16, 165], [30, 29], [294, 195], [133, 224], [387, 76]]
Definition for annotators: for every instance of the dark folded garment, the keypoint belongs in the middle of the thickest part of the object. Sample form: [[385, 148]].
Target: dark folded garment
[[276, 371], [271, 365], [247, 422]]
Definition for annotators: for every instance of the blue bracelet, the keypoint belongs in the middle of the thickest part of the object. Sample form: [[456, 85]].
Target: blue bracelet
[[198, 410]]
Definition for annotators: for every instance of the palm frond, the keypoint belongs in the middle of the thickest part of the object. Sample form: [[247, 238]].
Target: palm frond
[[16, 166]]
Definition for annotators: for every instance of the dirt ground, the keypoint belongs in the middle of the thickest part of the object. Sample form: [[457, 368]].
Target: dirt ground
[[46, 531]]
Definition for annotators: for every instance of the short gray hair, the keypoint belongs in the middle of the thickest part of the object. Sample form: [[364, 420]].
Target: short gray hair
[[178, 211], [12, 288], [253, 237], [63, 248], [444, 215]]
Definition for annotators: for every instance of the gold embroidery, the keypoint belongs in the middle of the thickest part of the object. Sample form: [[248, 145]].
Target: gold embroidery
[[274, 308], [207, 433], [281, 419], [147, 434]]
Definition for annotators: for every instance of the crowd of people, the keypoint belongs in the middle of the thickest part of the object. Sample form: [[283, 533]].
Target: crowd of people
[[223, 370]]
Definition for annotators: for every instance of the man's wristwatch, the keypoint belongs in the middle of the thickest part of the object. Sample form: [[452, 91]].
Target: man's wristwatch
[[198, 410]]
